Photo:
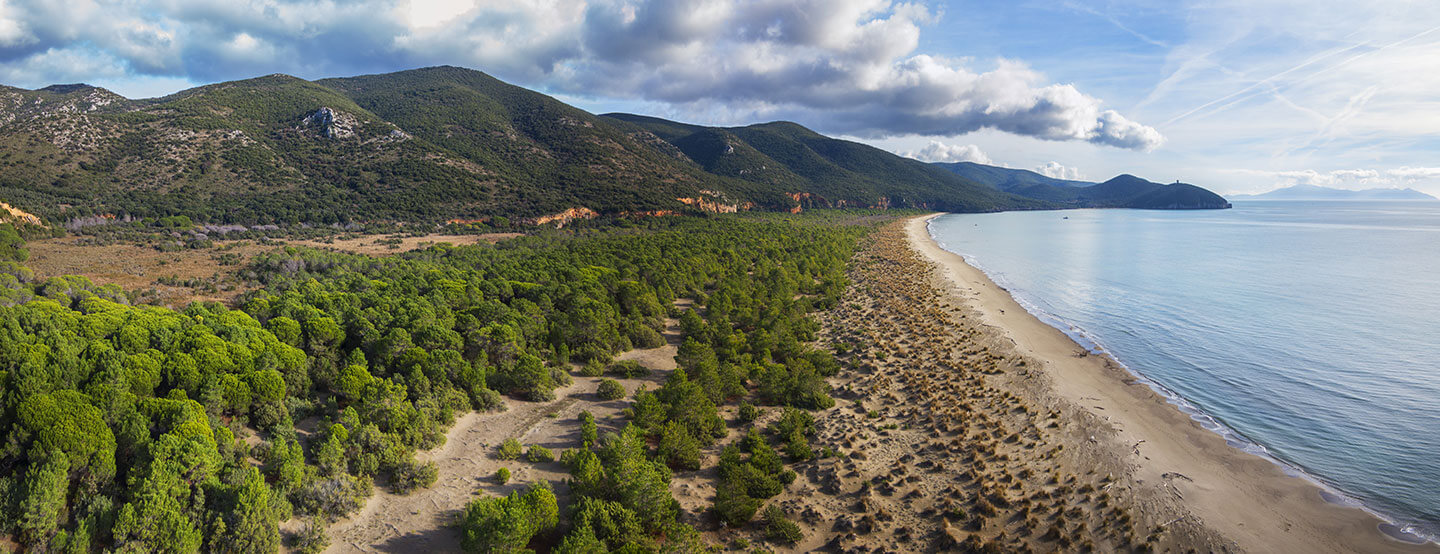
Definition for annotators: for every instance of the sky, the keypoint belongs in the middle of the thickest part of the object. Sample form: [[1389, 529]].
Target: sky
[[1240, 96]]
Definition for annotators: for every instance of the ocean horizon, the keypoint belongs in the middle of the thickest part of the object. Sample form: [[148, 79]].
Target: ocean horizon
[[1306, 343]]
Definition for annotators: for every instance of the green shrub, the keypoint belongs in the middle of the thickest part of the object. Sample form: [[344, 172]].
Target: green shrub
[[502, 475], [413, 475], [593, 368], [734, 506], [628, 369], [507, 524], [610, 389], [748, 412], [333, 497], [677, 448], [645, 337], [797, 446], [539, 454], [509, 450], [589, 433], [780, 529]]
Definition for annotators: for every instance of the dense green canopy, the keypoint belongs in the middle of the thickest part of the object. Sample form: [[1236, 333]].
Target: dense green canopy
[[121, 422]]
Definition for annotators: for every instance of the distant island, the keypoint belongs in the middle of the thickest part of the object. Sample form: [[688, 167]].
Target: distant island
[[1124, 191], [1313, 192]]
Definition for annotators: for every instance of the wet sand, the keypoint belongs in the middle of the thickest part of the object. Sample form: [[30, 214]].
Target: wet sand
[[1246, 499]]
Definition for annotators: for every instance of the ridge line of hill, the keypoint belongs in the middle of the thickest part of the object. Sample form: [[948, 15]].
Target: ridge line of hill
[[431, 145]]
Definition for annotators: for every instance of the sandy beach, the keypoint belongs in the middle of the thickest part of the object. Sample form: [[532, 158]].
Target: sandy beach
[[1248, 500]]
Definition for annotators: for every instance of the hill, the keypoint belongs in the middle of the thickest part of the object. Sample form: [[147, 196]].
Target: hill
[[1124, 191], [820, 171], [447, 143], [432, 144], [1005, 178], [270, 149], [1313, 192], [421, 145]]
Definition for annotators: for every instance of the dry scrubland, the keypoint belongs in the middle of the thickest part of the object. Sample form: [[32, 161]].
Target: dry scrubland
[[180, 277]]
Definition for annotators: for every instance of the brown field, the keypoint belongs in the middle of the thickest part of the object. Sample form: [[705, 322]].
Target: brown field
[[374, 245], [139, 268]]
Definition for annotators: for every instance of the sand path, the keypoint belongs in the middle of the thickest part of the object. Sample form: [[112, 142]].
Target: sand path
[[1244, 497]]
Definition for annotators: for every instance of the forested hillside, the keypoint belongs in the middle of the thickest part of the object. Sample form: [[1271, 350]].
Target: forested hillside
[[826, 172], [550, 153], [424, 145], [1124, 191], [143, 429]]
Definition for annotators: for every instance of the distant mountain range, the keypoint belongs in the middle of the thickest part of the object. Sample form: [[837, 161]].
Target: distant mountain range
[[1124, 191], [1313, 192], [448, 143]]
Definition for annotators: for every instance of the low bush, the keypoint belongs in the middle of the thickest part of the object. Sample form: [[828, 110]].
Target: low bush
[[509, 450], [539, 454], [610, 389], [780, 529]]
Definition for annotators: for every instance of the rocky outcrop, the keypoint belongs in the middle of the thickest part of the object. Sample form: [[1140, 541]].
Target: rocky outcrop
[[331, 123]]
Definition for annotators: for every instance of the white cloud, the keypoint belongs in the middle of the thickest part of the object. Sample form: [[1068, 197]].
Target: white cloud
[[65, 65], [844, 66], [1054, 170], [1415, 173], [938, 151], [1348, 178], [12, 32]]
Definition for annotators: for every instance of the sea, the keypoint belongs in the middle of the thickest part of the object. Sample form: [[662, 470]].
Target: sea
[[1304, 332]]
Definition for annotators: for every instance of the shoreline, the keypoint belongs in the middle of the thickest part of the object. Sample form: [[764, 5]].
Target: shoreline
[[1247, 498]]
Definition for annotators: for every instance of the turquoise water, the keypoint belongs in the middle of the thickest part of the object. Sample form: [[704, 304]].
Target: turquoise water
[[1308, 332]]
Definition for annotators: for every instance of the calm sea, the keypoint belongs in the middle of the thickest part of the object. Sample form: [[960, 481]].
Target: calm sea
[[1308, 332]]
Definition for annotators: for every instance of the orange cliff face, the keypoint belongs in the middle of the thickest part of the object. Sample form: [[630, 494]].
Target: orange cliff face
[[562, 218], [797, 197], [26, 217], [714, 206]]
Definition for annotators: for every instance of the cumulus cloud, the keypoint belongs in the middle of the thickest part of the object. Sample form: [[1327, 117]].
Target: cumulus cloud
[[1054, 170], [844, 66], [938, 151]]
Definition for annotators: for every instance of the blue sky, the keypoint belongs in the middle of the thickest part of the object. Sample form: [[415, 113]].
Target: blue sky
[[1239, 96]]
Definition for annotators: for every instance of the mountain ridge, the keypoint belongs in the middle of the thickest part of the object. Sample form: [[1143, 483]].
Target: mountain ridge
[[429, 145], [1122, 191], [1316, 192]]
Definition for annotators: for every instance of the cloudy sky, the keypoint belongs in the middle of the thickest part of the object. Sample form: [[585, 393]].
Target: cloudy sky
[[1237, 95]]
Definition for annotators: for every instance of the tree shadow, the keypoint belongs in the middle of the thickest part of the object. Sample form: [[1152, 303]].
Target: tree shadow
[[442, 536]]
